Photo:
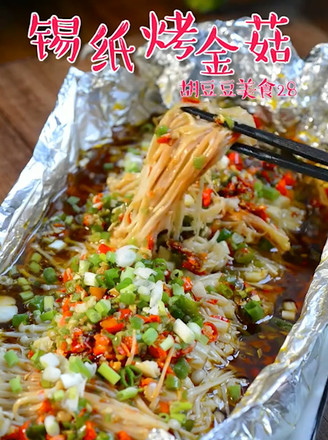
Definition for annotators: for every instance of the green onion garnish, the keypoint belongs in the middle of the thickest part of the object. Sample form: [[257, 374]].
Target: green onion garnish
[[128, 297], [19, 319], [127, 393], [26, 295], [77, 366], [244, 255], [36, 257], [103, 307], [181, 368], [48, 303], [108, 373], [198, 162], [270, 193], [93, 316], [167, 343], [15, 385], [35, 267], [224, 235], [234, 392], [136, 322], [172, 382], [11, 358], [58, 395], [150, 336], [47, 316], [161, 130], [254, 310], [49, 275]]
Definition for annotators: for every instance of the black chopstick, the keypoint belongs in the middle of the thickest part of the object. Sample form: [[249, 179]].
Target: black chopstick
[[284, 144], [290, 163]]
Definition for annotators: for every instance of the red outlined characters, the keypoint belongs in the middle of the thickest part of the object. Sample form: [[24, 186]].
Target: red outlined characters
[[179, 35], [216, 65], [107, 48], [269, 49], [56, 34]]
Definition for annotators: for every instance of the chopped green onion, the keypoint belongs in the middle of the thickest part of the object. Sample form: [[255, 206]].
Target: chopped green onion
[[172, 383], [36, 432], [123, 284], [83, 266], [282, 324], [22, 281], [270, 193], [49, 275], [77, 366], [224, 290], [36, 303], [111, 277], [111, 257], [128, 297], [188, 425], [90, 279], [258, 185], [265, 245], [234, 392], [48, 303], [136, 322], [244, 255], [108, 373], [103, 307], [128, 272], [181, 368], [127, 376], [93, 315], [178, 407], [26, 295], [58, 395], [127, 393], [183, 331], [196, 329], [36, 257], [47, 316], [184, 308], [161, 130], [236, 241], [19, 319], [150, 336], [198, 162], [229, 122], [254, 310], [69, 219], [177, 289], [224, 235], [15, 385], [165, 417], [35, 267], [167, 343], [36, 357], [11, 358], [108, 166]]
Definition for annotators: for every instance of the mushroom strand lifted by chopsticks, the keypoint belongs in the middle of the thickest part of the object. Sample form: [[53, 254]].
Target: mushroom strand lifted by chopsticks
[[289, 147]]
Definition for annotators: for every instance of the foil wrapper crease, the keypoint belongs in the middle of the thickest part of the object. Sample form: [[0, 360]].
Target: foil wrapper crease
[[85, 114]]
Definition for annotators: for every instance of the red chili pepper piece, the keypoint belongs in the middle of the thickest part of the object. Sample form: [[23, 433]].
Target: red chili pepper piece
[[103, 249], [210, 331], [165, 139], [192, 99], [207, 197]]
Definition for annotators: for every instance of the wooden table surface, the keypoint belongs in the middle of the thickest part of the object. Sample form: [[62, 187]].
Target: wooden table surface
[[28, 91]]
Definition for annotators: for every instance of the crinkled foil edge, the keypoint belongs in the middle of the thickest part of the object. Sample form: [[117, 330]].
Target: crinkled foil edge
[[85, 114]]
